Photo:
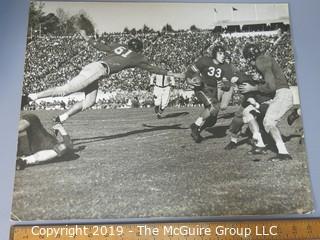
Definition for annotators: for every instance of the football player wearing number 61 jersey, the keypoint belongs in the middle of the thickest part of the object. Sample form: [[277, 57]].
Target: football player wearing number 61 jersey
[[118, 57], [209, 71]]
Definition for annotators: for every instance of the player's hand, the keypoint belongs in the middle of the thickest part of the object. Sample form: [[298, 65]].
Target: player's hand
[[246, 87], [195, 81]]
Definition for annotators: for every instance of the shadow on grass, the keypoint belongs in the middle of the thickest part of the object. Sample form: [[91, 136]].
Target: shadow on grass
[[177, 114], [148, 128], [226, 115], [217, 131]]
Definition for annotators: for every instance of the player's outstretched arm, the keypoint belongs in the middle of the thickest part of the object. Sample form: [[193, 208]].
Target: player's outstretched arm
[[177, 75], [152, 69], [99, 46]]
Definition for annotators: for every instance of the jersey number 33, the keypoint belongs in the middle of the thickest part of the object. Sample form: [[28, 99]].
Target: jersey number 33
[[214, 72]]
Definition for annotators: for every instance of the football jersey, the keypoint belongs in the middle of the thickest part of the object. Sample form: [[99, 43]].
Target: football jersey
[[161, 80], [210, 72], [258, 96], [265, 63], [120, 57]]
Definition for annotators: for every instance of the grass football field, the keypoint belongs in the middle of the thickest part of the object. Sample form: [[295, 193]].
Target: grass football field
[[129, 164]]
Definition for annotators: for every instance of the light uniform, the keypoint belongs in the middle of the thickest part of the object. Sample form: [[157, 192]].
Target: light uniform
[[161, 92]]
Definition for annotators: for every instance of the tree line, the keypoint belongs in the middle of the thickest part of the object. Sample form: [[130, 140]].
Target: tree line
[[62, 23]]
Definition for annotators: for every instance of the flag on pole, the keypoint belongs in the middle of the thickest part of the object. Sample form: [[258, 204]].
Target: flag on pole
[[234, 9], [215, 14]]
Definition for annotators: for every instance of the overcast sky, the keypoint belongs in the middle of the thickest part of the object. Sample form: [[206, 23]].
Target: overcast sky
[[114, 17]]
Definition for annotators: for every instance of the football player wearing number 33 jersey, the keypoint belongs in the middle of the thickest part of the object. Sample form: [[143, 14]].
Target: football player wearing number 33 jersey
[[118, 57], [212, 73]]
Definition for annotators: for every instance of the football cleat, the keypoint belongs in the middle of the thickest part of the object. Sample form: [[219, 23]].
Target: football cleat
[[292, 117], [21, 164], [258, 150], [281, 157], [231, 145], [159, 115], [195, 133]]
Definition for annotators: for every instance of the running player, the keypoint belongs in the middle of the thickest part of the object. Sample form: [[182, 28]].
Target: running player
[[275, 82], [205, 74], [118, 57], [161, 90]]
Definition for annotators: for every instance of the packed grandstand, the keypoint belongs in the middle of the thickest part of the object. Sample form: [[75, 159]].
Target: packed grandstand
[[53, 60]]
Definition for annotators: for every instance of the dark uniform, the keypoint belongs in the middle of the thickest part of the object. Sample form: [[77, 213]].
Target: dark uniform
[[37, 138], [210, 74], [119, 57], [237, 121]]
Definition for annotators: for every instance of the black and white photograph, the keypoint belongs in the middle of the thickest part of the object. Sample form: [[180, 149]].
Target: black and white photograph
[[159, 110]]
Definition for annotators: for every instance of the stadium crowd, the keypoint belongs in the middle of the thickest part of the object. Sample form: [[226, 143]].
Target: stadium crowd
[[53, 60]]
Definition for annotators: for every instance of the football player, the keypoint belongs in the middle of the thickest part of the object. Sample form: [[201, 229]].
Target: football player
[[251, 111], [36, 144], [225, 97], [118, 57], [204, 75], [161, 85], [274, 82]]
